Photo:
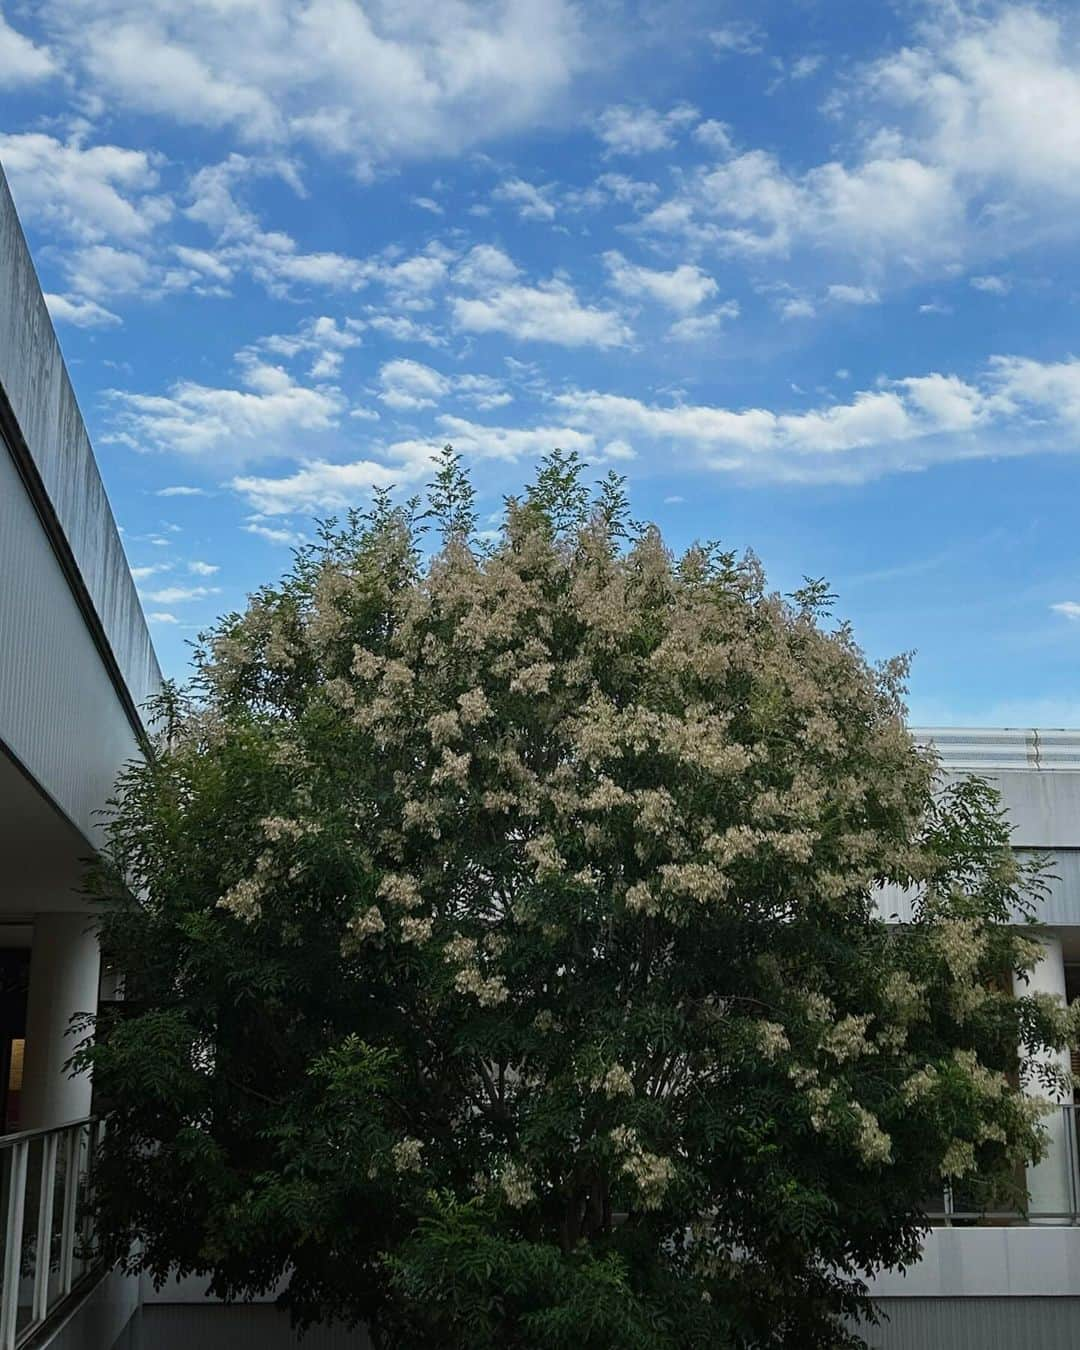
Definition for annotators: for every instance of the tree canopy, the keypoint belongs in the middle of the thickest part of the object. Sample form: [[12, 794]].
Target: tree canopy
[[502, 959]]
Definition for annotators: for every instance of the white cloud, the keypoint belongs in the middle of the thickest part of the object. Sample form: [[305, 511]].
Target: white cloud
[[86, 193], [695, 327], [181, 490], [203, 261], [406, 385], [550, 312], [532, 202], [617, 449], [22, 61], [322, 338], [151, 570], [401, 328], [212, 193], [628, 130], [683, 289], [428, 204], [412, 280], [963, 147], [178, 595], [742, 38], [1044, 388], [1070, 609], [620, 187], [950, 403], [161, 616], [103, 271], [272, 257], [318, 486], [900, 424], [273, 535], [805, 66], [275, 261], [485, 266], [482, 391], [255, 421], [715, 136], [890, 206], [203, 569], [510, 443], [854, 295], [797, 307], [435, 79], [998, 99], [992, 285], [409, 385], [79, 313]]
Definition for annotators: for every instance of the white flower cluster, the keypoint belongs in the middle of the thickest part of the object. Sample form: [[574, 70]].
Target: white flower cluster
[[847, 1039], [400, 890], [453, 769], [276, 828], [444, 727], [772, 1039], [365, 925], [416, 930], [407, 1155], [640, 899], [534, 679], [904, 998], [616, 1082], [488, 991], [961, 944], [959, 1159], [474, 707], [650, 1173], [516, 1184], [459, 950], [872, 1144], [244, 900], [542, 852]]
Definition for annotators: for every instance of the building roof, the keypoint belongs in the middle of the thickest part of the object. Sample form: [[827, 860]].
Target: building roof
[[993, 749]]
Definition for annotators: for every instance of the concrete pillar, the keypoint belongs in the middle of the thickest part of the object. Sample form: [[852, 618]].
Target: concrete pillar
[[1049, 1182], [65, 965]]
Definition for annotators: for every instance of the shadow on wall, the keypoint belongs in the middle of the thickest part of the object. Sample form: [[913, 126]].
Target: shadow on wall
[[253, 1326]]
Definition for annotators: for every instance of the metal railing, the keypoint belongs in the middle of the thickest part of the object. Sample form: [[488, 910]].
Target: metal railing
[[48, 1247], [954, 1210]]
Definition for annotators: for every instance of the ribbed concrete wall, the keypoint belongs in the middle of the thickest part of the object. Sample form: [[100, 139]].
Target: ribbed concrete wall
[[977, 1324], [76, 660], [36, 384]]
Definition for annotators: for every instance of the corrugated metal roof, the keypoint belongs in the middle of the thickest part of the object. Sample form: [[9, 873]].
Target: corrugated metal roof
[[991, 749]]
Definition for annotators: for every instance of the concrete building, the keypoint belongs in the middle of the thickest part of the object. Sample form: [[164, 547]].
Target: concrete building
[[76, 669], [1003, 1281]]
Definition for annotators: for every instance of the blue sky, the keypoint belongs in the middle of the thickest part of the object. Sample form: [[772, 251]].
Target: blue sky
[[805, 272]]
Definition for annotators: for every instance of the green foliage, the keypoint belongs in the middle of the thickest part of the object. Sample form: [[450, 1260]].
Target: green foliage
[[501, 953]]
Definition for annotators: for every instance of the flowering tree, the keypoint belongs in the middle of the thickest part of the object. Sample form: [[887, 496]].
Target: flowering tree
[[501, 952]]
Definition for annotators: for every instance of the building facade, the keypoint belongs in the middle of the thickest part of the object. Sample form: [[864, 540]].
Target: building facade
[[1009, 1280]]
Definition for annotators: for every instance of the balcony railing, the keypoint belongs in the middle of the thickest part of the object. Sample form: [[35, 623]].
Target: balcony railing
[[48, 1246]]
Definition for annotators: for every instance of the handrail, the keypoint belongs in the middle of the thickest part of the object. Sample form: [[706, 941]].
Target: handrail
[[6, 1140], [45, 1176]]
